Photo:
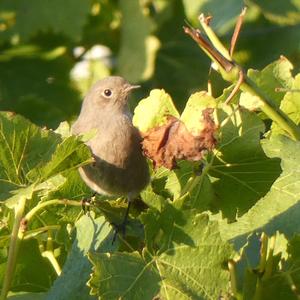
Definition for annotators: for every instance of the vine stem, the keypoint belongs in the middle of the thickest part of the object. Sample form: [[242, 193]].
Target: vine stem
[[213, 37], [271, 110], [231, 71], [14, 245], [194, 180], [50, 256], [41, 205], [233, 279], [18, 232]]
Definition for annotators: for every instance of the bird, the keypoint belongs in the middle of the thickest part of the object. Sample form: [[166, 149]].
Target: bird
[[119, 167]]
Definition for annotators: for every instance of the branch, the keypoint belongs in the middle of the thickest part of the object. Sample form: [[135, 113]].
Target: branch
[[232, 72]]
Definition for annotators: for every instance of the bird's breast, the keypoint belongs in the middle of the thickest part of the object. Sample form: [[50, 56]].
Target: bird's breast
[[116, 142]]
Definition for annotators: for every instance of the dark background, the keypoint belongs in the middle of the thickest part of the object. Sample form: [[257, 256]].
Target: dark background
[[140, 40]]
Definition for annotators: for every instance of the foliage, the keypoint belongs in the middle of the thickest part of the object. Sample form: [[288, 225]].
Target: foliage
[[223, 227]]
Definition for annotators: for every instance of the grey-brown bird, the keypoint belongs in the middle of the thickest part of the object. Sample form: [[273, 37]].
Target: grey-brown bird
[[120, 169]]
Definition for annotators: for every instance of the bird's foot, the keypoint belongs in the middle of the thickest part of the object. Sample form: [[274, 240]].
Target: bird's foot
[[122, 227], [119, 229], [86, 204]]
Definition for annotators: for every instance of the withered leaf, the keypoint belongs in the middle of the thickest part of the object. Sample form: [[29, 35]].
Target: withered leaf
[[172, 141]]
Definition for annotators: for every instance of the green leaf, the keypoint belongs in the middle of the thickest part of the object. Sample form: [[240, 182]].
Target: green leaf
[[189, 178], [293, 262], [152, 111], [133, 52], [192, 114], [45, 187], [92, 235], [275, 211], [31, 156], [290, 105], [63, 129], [34, 16], [224, 13], [45, 94], [73, 188], [124, 275], [27, 276], [270, 80], [180, 68], [189, 267], [22, 146], [268, 277], [70, 154], [282, 13], [239, 170], [151, 199], [26, 296]]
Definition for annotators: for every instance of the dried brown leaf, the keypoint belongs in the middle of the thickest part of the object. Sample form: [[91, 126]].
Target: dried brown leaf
[[172, 141]]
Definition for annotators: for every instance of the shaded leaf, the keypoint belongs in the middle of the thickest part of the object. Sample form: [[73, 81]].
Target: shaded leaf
[[92, 235], [239, 170], [34, 16], [282, 13], [31, 155], [44, 94], [26, 296], [186, 268], [27, 275], [278, 209], [22, 146], [189, 178], [47, 186], [138, 281], [68, 155], [133, 51], [266, 276]]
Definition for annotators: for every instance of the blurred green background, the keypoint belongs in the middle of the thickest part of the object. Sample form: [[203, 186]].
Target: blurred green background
[[51, 51]]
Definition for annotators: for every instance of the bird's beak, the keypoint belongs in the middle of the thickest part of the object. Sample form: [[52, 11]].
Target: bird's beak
[[130, 87]]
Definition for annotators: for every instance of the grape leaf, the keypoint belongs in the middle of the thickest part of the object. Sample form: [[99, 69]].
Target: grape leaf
[[282, 13], [192, 115], [188, 266], [26, 296], [31, 155], [201, 195], [42, 85], [22, 146], [264, 276], [133, 51], [27, 276], [34, 16], [153, 110], [240, 171], [272, 80], [290, 105], [92, 235], [277, 210]]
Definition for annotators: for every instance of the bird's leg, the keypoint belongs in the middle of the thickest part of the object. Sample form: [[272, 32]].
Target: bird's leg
[[85, 203], [122, 227]]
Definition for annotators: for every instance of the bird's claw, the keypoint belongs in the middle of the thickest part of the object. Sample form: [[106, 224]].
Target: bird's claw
[[119, 228]]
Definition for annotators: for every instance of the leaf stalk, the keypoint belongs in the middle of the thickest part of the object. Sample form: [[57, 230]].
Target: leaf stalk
[[231, 71], [14, 245]]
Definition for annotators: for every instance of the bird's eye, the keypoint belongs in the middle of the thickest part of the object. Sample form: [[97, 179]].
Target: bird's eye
[[107, 92]]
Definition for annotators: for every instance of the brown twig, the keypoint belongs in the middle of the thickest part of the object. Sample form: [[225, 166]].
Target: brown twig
[[237, 31], [236, 87], [196, 35]]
